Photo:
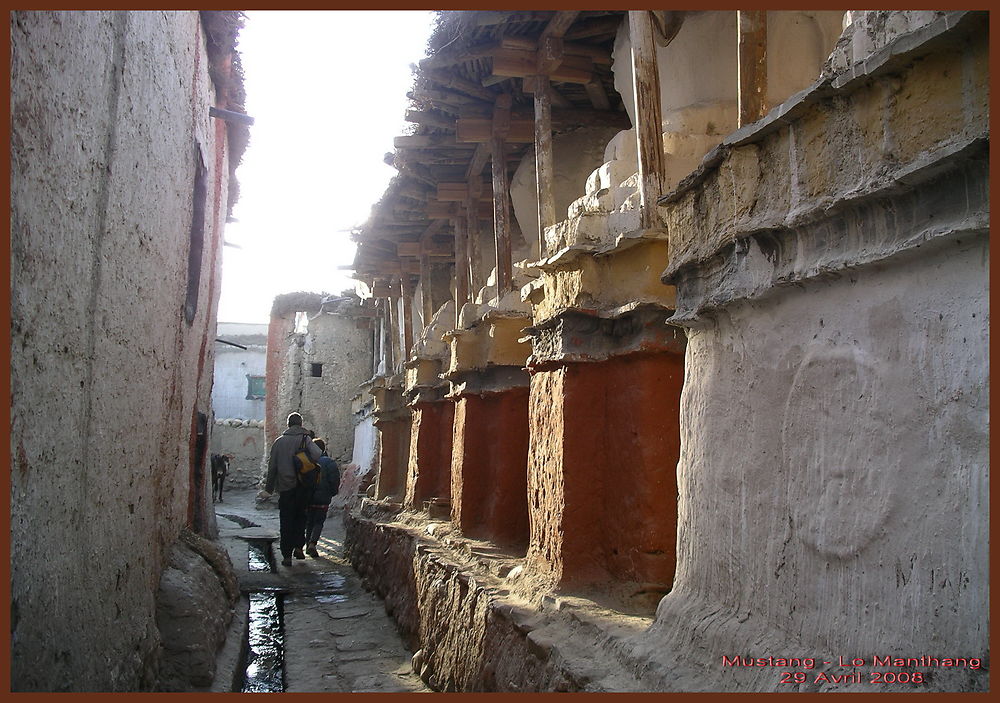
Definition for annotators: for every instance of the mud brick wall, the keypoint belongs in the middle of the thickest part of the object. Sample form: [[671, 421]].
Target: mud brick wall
[[109, 113]]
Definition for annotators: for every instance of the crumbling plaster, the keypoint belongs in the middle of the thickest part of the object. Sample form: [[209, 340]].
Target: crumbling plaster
[[836, 377], [103, 140]]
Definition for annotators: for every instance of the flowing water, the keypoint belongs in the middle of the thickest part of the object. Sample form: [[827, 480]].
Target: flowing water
[[265, 656]]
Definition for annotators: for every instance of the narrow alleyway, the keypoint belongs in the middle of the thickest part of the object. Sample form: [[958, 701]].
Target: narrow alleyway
[[337, 636]]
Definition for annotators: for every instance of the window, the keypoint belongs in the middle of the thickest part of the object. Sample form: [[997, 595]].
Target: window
[[317, 370], [255, 387]]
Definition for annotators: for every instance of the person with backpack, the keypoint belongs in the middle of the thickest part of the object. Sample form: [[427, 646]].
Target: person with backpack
[[326, 488], [292, 469]]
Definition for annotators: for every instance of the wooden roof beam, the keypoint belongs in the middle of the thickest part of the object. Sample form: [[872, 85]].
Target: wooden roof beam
[[598, 96], [430, 118], [444, 59], [449, 210], [447, 80], [522, 128], [428, 141], [415, 249], [598, 54], [457, 192], [594, 28], [478, 161], [558, 25], [518, 63], [433, 228], [489, 19], [481, 130], [448, 97]]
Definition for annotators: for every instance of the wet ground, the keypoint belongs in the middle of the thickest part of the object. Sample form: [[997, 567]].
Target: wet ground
[[333, 635]]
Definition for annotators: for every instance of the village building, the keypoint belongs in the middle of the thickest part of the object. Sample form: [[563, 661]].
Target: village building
[[680, 350], [126, 130], [238, 396], [666, 368], [319, 351]]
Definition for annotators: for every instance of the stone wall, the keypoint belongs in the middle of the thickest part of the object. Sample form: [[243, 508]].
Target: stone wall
[[244, 441], [469, 633], [109, 115]]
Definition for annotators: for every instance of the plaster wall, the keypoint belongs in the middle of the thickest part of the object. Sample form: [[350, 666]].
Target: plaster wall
[[428, 474], [698, 97], [106, 109], [574, 155], [834, 468], [700, 66], [280, 360], [229, 389], [345, 353], [364, 443], [489, 498], [393, 457], [601, 490], [858, 454]]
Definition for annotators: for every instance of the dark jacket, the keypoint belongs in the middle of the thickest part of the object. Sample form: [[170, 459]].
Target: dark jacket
[[329, 482], [280, 470]]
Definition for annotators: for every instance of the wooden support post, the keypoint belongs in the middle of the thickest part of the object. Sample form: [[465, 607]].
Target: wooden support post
[[649, 122], [752, 28], [379, 344], [471, 211], [406, 290], [461, 267], [501, 195], [394, 328], [544, 170], [426, 297]]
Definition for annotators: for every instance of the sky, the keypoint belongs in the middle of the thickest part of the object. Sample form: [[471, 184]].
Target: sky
[[327, 91]]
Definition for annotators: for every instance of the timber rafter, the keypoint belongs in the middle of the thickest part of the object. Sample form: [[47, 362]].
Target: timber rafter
[[476, 61]]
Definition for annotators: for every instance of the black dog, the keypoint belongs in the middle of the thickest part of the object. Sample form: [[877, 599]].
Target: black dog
[[220, 467]]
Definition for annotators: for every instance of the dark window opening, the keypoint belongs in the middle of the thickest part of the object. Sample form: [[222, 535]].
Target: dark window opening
[[197, 237], [255, 387], [317, 370]]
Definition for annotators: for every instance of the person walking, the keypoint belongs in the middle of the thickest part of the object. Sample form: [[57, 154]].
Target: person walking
[[326, 489], [292, 496]]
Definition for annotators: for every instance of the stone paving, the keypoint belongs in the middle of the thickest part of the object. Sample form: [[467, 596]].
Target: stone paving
[[338, 637]]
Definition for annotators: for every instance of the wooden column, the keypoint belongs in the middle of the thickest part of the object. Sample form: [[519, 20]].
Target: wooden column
[[752, 29], [406, 290], [475, 263], [388, 347], [379, 333], [501, 194], [461, 267], [649, 121], [392, 302], [543, 159], [426, 297]]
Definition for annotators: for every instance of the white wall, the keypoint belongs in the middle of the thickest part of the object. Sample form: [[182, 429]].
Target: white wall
[[229, 391]]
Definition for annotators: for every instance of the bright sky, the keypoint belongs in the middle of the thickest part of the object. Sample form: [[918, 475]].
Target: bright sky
[[327, 90]]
